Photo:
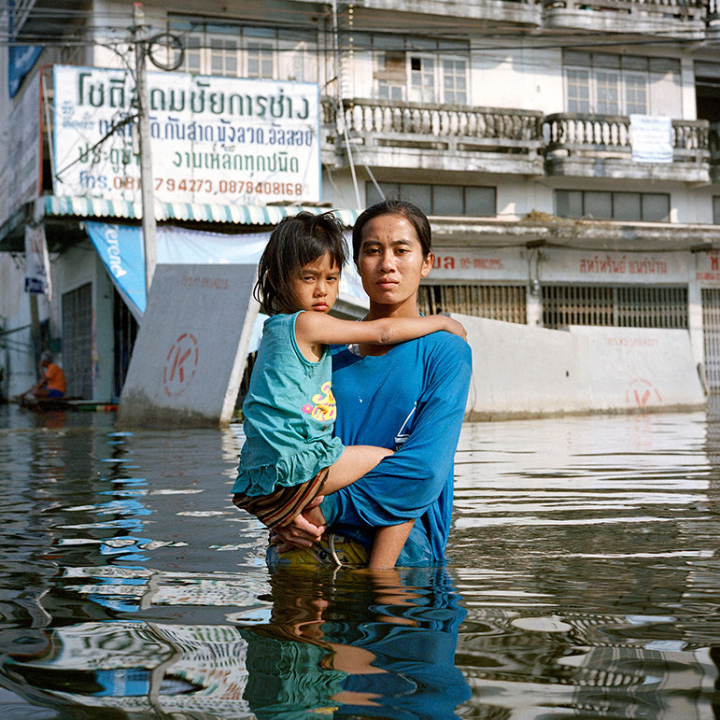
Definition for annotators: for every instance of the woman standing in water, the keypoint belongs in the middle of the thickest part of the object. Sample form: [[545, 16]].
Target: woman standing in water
[[409, 398]]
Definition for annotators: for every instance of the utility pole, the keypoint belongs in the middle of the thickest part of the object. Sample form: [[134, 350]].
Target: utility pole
[[147, 180]]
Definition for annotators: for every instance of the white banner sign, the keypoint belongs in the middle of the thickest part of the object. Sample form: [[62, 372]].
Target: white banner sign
[[214, 140], [651, 139], [37, 262]]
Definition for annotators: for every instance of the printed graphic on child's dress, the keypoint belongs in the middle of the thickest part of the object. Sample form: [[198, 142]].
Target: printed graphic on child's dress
[[324, 408]]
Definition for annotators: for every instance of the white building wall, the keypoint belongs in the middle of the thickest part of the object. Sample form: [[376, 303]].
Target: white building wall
[[525, 78]]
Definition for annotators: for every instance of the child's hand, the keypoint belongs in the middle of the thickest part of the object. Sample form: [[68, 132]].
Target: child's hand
[[301, 532], [456, 328]]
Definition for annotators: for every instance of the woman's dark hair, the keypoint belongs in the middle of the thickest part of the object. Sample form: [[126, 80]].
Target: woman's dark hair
[[412, 213], [296, 241]]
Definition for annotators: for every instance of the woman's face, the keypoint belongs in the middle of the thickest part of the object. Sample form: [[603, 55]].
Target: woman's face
[[391, 263]]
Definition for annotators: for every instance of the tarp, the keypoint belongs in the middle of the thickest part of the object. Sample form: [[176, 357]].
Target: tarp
[[121, 249]]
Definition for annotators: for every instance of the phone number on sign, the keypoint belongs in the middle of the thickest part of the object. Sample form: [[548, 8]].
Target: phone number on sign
[[229, 187]]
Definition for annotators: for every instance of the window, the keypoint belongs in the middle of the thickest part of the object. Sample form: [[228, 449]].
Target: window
[[391, 76], [439, 199], [233, 50], [260, 60], [618, 306], [716, 210], [498, 302], [635, 95], [454, 82], [422, 79], [578, 90], [620, 85], [224, 56], [607, 92], [421, 71], [645, 207]]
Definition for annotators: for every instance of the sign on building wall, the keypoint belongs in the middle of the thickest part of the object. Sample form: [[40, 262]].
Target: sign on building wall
[[614, 268], [37, 262], [477, 264], [707, 267], [20, 168], [651, 139], [214, 139]]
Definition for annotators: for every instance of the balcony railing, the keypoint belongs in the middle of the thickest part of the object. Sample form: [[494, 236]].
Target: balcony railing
[[455, 137], [608, 136], [692, 10], [445, 128]]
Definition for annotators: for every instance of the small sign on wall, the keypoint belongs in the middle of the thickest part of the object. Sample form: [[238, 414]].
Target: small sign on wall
[[37, 262], [651, 139]]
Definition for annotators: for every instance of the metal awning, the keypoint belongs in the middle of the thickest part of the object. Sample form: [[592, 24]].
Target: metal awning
[[89, 207], [61, 216]]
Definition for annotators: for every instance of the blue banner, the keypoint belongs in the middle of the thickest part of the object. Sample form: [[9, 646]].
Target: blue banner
[[20, 62], [21, 58], [120, 248]]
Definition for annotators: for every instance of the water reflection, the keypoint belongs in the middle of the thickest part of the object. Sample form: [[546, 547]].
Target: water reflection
[[357, 645], [586, 550], [584, 582], [339, 643]]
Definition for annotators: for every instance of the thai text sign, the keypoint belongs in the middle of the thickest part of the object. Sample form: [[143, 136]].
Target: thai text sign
[[652, 139], [214, 139], [614, 267], [478, 264]]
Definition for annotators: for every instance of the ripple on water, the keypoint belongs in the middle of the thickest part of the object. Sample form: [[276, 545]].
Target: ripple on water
[[583, 582]]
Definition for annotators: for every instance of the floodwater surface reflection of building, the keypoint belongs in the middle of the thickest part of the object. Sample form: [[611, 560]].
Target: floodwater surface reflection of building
[[583, 579]]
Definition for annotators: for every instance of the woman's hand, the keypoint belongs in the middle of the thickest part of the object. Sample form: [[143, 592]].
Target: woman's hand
[[304, 531]]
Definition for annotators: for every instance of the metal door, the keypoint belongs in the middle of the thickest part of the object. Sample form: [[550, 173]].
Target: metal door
[[77, 326], [711, 336]]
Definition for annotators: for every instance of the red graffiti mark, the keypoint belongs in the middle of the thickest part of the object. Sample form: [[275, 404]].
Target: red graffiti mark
[[180, 364], [642, 393]]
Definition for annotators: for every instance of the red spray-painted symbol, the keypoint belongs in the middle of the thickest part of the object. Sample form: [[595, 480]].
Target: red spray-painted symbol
[[180, 365], [642, 392]]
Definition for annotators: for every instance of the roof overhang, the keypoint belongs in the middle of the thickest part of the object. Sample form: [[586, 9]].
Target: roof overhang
[[576, 234], [62, 217]]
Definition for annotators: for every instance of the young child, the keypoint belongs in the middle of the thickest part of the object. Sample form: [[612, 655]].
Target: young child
[[290, 455]]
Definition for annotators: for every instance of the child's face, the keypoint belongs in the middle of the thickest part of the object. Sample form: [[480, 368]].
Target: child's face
[[316, 285]]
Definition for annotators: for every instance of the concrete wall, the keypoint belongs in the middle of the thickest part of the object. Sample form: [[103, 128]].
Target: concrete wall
[[191, 350], [521, 371]]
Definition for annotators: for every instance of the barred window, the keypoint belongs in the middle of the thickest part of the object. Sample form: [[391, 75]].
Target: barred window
[[638, 306], [497, 302]]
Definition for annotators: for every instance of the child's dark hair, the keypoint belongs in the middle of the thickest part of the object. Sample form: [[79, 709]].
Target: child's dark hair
[[297, 241]]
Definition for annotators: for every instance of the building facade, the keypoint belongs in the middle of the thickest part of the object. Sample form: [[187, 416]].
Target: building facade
[[567, 155]]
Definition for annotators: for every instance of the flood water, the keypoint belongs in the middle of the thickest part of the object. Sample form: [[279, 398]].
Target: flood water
[[584, 582]]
